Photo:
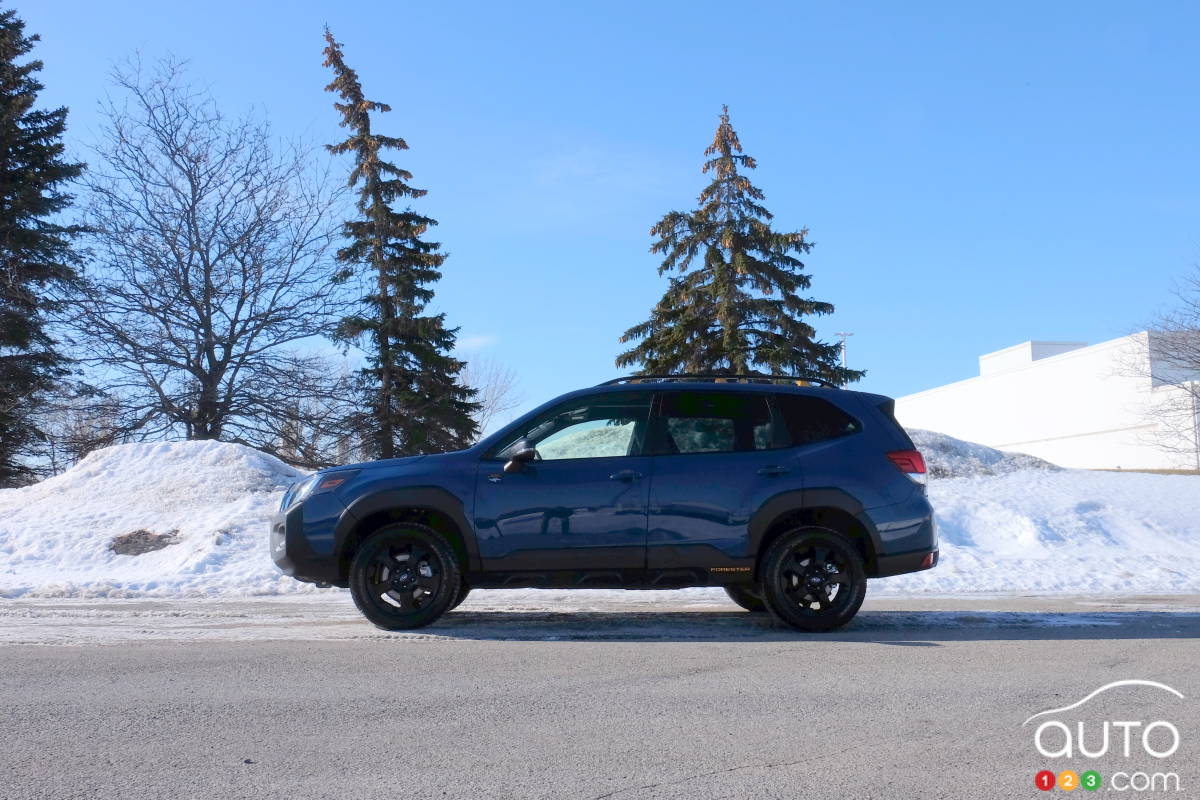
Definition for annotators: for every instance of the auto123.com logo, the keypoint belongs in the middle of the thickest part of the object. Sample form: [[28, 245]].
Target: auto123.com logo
[[1143, 745]]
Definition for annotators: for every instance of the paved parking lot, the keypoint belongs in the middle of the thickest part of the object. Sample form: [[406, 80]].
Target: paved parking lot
[[918, 698]]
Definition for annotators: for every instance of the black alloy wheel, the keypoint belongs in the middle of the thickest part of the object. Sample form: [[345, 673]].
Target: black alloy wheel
[[404, 576], [813, 579]]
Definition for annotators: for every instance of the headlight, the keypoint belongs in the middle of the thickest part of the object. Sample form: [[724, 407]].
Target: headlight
[[305, 489], [321, 482], [296, 492]]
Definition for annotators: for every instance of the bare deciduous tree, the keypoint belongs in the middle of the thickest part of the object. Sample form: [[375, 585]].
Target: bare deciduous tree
[[77, 420], [211, 277], [1172, 365], [496, 385]]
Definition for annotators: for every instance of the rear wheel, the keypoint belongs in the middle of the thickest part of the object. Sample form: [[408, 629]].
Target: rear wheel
[[463, 591], [749, 598], [404, 576], [813, 579]]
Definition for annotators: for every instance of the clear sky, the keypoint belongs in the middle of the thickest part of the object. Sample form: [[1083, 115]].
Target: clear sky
[[974, 175]]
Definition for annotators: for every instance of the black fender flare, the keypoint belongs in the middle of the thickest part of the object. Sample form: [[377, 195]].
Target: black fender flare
[[799, 500], [430, 497]]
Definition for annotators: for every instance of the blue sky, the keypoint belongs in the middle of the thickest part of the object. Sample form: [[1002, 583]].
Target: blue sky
[[973, 175]]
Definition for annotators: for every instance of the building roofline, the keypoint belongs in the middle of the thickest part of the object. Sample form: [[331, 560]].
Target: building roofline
[[1030, 342], [1032, 364]]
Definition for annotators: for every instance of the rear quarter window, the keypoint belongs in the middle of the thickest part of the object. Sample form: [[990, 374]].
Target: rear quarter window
[[811, 419], [888, 409]]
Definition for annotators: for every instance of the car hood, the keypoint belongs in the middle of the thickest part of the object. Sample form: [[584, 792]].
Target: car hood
[[402, 463], [382, 463]]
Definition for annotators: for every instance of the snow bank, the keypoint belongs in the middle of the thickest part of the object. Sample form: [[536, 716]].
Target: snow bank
[[1075, 531], [55, 535], [947, 457], [1004, 528]]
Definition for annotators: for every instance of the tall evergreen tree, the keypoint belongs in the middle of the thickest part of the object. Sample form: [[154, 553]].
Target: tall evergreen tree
[[734, 307], [416, 400], [35, 251]]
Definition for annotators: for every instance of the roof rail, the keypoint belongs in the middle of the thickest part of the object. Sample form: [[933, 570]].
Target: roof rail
[[698, 377]]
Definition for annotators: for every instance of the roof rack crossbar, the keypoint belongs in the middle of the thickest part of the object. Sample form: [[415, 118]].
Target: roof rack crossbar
[[687, 377]]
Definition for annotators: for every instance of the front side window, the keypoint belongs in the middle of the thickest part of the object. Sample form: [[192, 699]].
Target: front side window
[[600, 426], [713, 422]]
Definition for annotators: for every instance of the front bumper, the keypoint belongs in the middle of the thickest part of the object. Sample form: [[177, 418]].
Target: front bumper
[[293, 554]]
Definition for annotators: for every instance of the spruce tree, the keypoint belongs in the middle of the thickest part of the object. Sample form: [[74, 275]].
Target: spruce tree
[[733, 307], [416, 400], [35, 251]]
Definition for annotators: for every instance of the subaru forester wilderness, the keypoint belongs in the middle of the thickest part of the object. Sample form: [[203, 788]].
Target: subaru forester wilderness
[[787, 494]]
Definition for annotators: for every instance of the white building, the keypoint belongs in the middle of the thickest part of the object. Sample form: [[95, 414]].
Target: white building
[[1105, 406]]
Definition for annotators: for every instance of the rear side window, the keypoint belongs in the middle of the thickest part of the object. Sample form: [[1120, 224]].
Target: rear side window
[[713, 422], [811, 419]]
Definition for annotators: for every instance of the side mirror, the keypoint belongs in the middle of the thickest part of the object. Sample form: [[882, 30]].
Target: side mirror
[[523, 453]]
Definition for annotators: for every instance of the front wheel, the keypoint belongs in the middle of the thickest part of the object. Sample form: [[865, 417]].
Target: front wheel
[[747, 598], [813, 579], [404, 576]]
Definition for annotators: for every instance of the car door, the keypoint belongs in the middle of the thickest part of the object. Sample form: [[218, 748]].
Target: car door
[[718, 457], [581, 506]]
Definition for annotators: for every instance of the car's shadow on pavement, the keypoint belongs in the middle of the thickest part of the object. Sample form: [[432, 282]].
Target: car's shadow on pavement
[[902, 628]]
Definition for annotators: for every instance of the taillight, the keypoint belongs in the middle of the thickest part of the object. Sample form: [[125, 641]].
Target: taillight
[[910, 462]]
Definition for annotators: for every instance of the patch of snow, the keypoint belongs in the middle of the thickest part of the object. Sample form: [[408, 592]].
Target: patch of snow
[[555, 616], [947, 457], [1063, 531]]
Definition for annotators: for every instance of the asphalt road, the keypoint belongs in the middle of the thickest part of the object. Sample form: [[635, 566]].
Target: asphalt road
[[917, 699]]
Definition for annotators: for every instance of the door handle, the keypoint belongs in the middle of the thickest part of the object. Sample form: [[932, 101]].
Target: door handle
[[774, 469], [495, 477], [625, 475]]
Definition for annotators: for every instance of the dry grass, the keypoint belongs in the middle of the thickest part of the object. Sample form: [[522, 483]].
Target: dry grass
[[141, 541]]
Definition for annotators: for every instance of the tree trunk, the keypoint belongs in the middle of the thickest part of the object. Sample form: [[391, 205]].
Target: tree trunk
[[387, 435]]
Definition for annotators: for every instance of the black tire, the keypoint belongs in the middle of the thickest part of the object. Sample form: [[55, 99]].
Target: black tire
[[813, 579], [463, 591], [390, 594], [749, 598]]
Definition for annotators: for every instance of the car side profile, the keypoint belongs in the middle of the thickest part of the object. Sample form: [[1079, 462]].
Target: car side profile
[[787, 494]]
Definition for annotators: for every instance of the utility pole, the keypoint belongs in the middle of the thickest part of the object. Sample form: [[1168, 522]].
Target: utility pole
[[843, 336]]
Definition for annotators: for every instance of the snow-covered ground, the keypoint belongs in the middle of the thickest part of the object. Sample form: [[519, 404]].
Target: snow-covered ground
[[1063, 531], [1008, 524]]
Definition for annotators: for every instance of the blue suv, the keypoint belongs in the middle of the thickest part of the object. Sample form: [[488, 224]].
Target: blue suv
[[787, 494]]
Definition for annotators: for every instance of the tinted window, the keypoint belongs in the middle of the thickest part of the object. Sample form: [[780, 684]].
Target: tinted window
[[600, 426], [888, 409], [713, 422], [811, 419]]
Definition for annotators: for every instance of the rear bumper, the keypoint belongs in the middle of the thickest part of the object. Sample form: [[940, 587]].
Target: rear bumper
[[292, 553], [907, 539], [905, 562]]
